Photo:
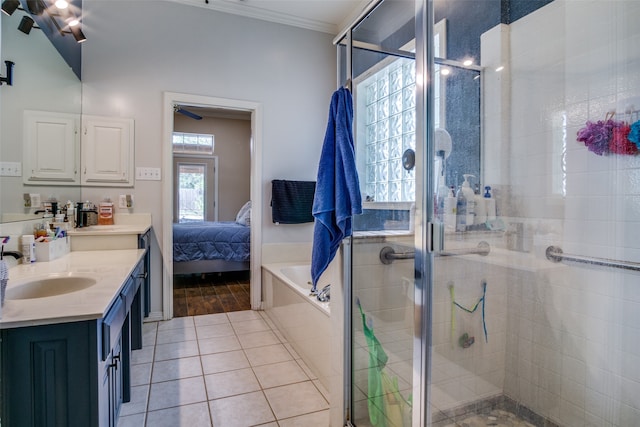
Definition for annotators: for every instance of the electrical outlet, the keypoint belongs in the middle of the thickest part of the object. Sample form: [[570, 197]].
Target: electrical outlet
[[148, 174], [122, 201]]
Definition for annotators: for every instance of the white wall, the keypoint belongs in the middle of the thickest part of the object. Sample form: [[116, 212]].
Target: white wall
[[136, 50]]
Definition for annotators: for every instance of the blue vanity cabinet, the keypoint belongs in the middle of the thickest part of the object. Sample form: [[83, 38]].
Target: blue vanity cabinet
[[50, 375], [74, 374], [144, 243]]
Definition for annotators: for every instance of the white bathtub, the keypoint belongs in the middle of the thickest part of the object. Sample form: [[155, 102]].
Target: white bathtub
[[302, 319]]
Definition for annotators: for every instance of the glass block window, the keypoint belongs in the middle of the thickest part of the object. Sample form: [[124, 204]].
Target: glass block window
[[193, 143], [390, 124], [390, 130]]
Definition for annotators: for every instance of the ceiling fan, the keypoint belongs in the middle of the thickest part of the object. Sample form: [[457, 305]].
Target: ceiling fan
[[178, 109]]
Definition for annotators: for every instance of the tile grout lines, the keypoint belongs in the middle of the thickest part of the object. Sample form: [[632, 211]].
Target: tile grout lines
[[309, 377]]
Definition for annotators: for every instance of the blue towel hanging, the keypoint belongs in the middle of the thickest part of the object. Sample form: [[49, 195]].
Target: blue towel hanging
[[337, 196]]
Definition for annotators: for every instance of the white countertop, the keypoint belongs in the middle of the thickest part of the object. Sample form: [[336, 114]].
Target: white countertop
[[111, 230], [109, 268]]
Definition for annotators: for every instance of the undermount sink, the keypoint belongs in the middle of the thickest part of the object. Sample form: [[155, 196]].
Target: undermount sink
[[49, 287]]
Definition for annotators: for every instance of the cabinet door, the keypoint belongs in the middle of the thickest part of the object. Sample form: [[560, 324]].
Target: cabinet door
[[51, 154], [143, 243], [107, 151], [115, 384]]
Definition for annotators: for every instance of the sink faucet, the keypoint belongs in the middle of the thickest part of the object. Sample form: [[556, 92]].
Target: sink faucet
[[325, 294], [17, 255]]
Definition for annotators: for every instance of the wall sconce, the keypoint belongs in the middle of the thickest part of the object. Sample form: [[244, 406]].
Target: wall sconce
[[9, 79], [68, 25], [10, 6], [26, 24]]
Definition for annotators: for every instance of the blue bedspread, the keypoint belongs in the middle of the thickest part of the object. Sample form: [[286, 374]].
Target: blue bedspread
[[207, 240]]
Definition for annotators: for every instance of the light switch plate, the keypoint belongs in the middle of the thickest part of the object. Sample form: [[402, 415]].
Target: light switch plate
[[148, 174], [10, 169], [122, 201]]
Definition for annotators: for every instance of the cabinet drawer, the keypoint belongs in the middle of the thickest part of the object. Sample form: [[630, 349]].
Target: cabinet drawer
[[130, 289], [112, 326]]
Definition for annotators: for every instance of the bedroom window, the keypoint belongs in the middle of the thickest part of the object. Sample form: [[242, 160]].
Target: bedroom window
[[193, 143], [192, 189], [195, 188]]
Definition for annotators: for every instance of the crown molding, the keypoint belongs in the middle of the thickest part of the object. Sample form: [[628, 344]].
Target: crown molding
[[239, 7]]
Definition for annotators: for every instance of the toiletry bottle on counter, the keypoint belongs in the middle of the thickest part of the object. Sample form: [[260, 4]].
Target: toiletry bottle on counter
[[480, 207], [28, 249], [450, 210], [465, 211], [490, 204]]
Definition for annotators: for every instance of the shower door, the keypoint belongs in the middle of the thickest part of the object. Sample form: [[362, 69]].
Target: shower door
[[529, 311], [378, 57]]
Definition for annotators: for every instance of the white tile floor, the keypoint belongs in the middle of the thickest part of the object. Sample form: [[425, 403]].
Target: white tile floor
[[221, 370]]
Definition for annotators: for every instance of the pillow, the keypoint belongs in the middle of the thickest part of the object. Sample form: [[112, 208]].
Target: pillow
[[244, 214]]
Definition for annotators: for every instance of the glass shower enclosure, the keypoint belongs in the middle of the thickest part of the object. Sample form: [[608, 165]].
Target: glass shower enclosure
[[518, 304]]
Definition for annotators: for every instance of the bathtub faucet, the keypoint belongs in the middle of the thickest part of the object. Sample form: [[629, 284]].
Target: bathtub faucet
[[325, 294]]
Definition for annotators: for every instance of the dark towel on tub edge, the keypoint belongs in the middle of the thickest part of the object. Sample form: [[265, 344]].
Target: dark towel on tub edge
[[292, 201]]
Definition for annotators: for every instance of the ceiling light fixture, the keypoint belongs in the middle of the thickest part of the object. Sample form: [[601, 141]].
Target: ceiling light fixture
[[73, 22], [26, 24], [468, 62], [36, 7], [61, 4], [10, 6], [78, 34]]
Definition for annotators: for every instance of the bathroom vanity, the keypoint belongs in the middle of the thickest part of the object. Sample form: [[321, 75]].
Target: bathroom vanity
[[68, 327]]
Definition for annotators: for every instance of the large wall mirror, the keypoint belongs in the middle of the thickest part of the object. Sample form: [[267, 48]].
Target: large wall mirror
[[43, 82]]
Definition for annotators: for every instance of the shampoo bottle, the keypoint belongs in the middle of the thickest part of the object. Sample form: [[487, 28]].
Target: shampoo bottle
[[450, 210], [490, 204], [470, 200], [481, 207], [461, 211]]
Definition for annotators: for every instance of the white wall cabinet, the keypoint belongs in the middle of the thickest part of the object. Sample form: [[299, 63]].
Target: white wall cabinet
[[107, 151], [51, 150]]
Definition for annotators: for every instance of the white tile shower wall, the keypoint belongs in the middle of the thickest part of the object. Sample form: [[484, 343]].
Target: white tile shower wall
[[573, 343], [464, 375]]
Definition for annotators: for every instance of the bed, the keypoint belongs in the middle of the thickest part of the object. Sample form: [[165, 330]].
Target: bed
[[210, 247]]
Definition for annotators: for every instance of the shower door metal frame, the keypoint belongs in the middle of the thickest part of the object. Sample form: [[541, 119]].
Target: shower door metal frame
[[424, 61]]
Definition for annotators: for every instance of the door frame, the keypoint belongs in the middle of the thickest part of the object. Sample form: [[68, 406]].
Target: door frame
[[255, 108]]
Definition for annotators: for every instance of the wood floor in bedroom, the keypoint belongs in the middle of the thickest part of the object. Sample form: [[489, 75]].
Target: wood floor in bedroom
[[195, 295]]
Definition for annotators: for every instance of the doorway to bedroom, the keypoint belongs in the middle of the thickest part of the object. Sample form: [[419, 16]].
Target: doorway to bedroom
[[210, 188]]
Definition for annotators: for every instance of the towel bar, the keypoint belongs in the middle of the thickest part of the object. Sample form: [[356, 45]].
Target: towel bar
[[555, 254], [388, 254]]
